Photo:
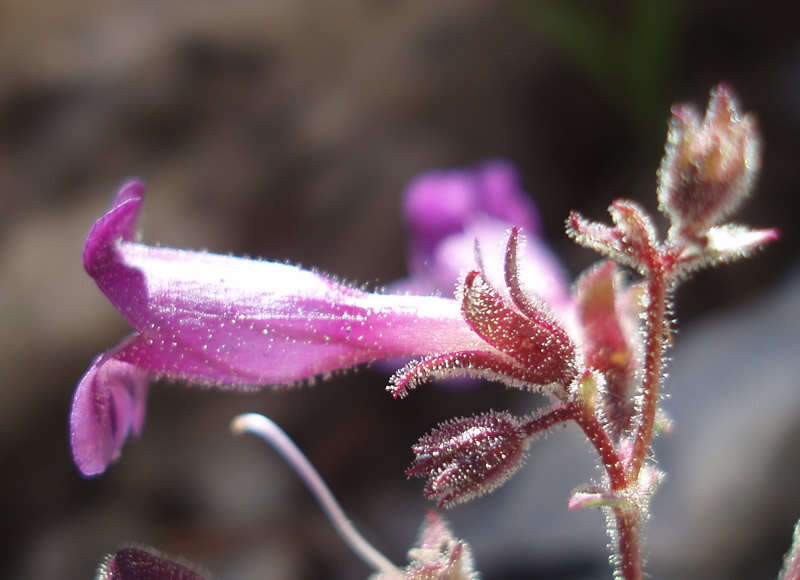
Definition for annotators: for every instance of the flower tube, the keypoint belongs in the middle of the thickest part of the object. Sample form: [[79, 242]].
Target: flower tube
[[230, 322]]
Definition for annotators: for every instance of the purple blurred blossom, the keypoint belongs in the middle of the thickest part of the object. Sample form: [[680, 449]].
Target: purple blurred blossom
[[447, 211]]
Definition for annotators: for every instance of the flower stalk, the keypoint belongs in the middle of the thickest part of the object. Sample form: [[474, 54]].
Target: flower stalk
[[656, 333]]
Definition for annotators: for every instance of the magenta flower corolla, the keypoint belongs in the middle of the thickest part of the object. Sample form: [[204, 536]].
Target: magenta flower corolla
[[238, 323]]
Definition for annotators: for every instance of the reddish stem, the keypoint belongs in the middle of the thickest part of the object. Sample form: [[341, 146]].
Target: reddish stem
[[544, 422], [653, 362], [627, 520], [602, 443], [630, 562], [628, 550]]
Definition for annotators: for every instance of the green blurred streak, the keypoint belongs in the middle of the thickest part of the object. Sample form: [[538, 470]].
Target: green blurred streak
[[650, 58], [580, 34], [631, 60]]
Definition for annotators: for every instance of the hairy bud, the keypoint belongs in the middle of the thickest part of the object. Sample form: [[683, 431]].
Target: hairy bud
[[438, 555], [468, 457], [709, 167], [143, 563]]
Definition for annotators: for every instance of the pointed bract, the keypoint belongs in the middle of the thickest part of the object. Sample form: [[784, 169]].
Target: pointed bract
[[476, 364], [631, 241], [601, 238], [725, 243], [636, 231]]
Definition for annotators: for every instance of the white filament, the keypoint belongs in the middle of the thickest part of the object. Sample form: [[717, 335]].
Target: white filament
[[267, 430]]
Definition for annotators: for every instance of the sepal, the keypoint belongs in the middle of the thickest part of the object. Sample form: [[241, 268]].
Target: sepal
[[537, 340], [722, 244], [477, 364]]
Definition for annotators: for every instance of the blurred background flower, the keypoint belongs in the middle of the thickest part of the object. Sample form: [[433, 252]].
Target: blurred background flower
[[289, 130]]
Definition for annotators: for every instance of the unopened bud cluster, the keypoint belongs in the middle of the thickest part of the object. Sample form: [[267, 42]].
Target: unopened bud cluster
[[709, 166]]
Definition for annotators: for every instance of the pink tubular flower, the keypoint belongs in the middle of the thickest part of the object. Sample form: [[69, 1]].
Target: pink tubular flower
[[238, 323], [225, 321]]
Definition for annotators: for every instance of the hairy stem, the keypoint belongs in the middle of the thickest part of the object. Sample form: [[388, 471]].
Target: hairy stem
[[605, 447], [656, 330], [544, 422], [628, 551]]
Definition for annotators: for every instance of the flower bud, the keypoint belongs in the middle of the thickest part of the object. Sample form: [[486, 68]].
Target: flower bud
[[468, 457], [709, 167], [144, 563], [438, 554]]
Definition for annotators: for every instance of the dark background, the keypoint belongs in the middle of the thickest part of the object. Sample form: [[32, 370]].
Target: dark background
[[288, 130]]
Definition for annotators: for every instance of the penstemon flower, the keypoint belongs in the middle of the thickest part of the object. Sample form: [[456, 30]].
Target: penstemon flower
[[596, 352], [238, 323]]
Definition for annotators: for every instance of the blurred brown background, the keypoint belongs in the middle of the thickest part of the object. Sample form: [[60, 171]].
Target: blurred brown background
[[288, 130]]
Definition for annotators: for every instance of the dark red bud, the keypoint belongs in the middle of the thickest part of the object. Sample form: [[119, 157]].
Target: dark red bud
[[468, 457], [140, 563]]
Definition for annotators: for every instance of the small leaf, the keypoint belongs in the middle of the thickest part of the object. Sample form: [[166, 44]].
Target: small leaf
[[583, 498]]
